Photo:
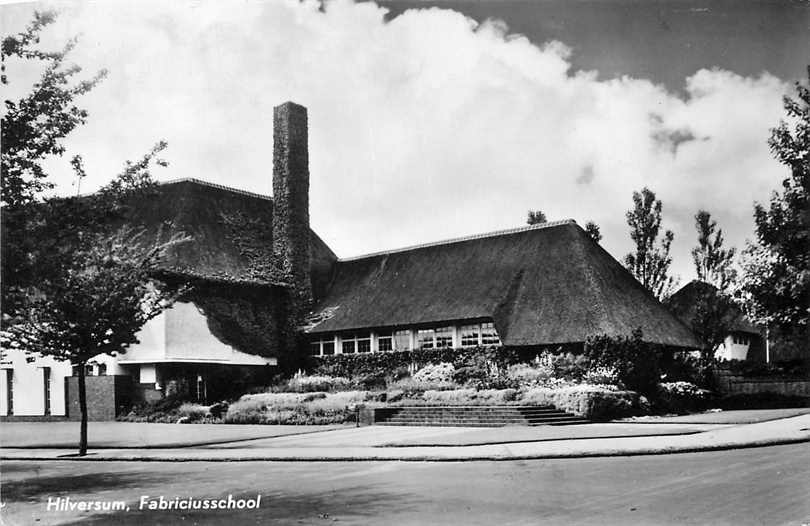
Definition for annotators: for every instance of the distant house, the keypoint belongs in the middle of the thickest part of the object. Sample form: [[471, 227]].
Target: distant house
[[744, 340], [259, 272]]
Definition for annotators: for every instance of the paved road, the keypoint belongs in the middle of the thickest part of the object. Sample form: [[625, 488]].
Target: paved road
[[753, 486]]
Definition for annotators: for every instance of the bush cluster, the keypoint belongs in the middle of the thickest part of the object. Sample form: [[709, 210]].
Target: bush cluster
[[682, 397], [591, 402], [295, 408], [637, 364], [395, 365], [301, 383]]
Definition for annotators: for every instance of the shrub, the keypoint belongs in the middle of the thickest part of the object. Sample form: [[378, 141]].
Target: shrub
[[295, 408], [601, 376], [681, 397], [567, 366], [351, 365], [411, 386], [592, 402], [305, 384], [194, 412], [441, 373], [524, 375], [637, 363], [470, 396]]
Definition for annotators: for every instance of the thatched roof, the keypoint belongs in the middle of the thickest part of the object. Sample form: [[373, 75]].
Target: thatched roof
[[545, 284], [684, 304], [231, 233]]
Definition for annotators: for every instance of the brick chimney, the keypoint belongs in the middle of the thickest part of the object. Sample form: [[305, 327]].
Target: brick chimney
[[291, 196]]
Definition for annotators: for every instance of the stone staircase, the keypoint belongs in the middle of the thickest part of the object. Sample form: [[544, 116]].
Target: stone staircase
[[475, 416]]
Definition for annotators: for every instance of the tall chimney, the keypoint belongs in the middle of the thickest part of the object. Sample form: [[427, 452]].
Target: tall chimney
[[291, 196]]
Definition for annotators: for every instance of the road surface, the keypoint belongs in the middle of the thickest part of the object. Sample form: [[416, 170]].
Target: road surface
[[751, 486]]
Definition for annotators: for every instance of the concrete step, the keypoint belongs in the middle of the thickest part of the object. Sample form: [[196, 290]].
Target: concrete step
[[478, 416]]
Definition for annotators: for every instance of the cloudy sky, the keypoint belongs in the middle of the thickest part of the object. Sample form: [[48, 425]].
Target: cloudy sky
[[431, 120]]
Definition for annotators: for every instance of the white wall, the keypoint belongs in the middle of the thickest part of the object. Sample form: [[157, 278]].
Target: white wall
[[29, 389], [189, 338], [728, 350]]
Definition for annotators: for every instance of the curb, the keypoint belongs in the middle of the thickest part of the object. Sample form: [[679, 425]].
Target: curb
[[430, 458]]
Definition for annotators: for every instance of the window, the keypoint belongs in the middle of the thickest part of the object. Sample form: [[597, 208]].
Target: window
[[739, 339], [102, 369], [9, 391], [489, 336], [322, 347], [425, 338], [402, 340], [349, 345], [46, 384], [470, 335], [444, 337], [385, 342], [364, 344]]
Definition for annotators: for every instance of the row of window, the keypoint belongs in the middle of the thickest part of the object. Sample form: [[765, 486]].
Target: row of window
[[739, 339], [438, 338]]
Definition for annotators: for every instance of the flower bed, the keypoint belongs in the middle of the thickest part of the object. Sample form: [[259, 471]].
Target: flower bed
[[295, 408]]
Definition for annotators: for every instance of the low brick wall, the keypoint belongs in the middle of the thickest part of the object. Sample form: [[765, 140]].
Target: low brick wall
[[367, 416], [107, 396], [735, 384]]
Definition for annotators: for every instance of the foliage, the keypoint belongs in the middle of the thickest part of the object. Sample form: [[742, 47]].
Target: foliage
[[651, 261], [413, 387], [592, 229], [440, 373], [682, 397], [301, 383], [775, 278], [637, 364], [688, 368], [470, 397], [588, 401], [295, 409], [103, 297], [525, 375], [713, 263], [395, 364], [535, 217], [605, 376], [34, 126]]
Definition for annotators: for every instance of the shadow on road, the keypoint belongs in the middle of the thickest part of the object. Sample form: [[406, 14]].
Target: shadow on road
[[37, 489], [359, 503]]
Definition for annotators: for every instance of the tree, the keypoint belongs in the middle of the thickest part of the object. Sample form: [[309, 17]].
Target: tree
[[96, 306], [775, 278], [712, 307], [713, 263], [34, 126], [74, 284], [535, 217], [651, 261], [592, 229]]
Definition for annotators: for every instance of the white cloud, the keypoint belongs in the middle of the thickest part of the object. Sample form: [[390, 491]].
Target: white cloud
[[425, 127]]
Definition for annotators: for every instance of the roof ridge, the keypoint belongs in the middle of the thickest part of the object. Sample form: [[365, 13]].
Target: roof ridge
[[494, 233], [215, 185]]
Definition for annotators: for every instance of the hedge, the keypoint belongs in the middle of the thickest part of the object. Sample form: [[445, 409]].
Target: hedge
[[387, 363], [591, 402]]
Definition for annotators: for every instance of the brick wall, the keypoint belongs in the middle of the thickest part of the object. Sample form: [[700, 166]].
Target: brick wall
[[107, 396]]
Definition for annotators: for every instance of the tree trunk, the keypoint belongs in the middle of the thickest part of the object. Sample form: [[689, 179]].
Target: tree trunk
[[83, 411]]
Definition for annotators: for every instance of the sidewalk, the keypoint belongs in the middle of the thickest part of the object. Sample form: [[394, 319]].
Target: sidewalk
[[367, 443]]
